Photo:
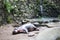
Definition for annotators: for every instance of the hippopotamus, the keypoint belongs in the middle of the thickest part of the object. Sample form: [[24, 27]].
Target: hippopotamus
[[25, 28]]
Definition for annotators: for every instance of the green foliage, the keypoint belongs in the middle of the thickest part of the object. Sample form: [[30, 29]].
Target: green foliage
[[37, 2], [45, 1], [15, 0], [8, 5], [59, 16], [28, 8], [50, 8], [9, 19]]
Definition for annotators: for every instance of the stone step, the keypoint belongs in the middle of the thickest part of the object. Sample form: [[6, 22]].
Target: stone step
[[0, 4], [1, 10], [1, 7], [1, 14]]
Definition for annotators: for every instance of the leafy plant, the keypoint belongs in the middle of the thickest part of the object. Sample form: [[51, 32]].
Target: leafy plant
[[9, 19], [8, 8], [8, 5], [50, 8]]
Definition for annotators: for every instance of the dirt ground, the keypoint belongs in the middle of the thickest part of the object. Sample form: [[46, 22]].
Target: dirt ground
[[6, 34]]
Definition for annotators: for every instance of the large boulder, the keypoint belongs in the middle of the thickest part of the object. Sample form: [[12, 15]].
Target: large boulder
[[49, 34], [57, 24]]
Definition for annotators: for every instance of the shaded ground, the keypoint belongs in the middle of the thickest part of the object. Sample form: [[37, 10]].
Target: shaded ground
[[6, 34]]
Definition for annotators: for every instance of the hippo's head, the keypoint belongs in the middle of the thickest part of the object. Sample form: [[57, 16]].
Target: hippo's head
[[15, 32]]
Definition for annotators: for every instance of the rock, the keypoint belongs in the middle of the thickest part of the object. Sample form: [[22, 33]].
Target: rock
[[36, 24], [49, 34], [53, 24], [43, 28], [55, 20], [36, 32], [31, 34], [24, 21]]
